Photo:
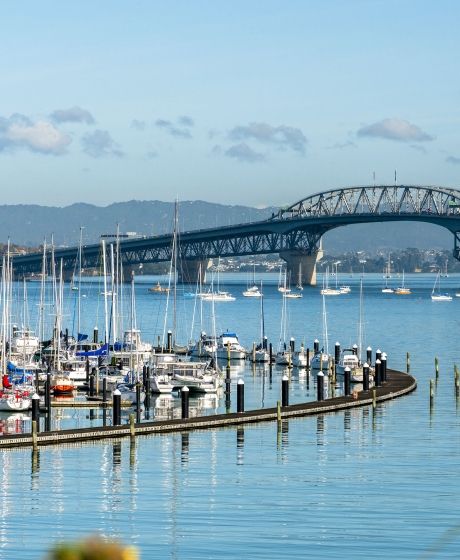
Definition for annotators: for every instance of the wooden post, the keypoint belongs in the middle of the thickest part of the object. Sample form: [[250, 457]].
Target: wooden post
[[132, 429], [34, 435]]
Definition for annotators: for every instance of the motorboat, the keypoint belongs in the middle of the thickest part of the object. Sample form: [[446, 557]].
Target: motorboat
[[320, 362], [344, 289], [259, 355], [300, 358], [229, 347], [24, 342], [217, 296], [129, 393], [161, 383], [159, 289], [204, 347], [199, 377], [61, 384], [283, 358], [330, 292]]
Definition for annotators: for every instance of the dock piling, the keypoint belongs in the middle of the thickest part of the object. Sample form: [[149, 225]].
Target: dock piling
[[347, 381], [285, 390], [34, 435], [116, 408], [383, 367], [378, 372], [184, 397], [36, 410], [240, 396], [104, 390], [320, 386], [369, 355], [366, 377]]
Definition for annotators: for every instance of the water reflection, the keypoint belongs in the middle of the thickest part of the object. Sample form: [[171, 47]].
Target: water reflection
[[16, 423], [168, 407], [320, 430], [185, 446], [240, 446]]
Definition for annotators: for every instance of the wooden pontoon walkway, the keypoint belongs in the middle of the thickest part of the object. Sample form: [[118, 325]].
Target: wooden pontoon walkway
[[397, 384]]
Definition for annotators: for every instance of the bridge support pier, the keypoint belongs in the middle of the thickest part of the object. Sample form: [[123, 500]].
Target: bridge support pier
[[189, 271], [302, 267]]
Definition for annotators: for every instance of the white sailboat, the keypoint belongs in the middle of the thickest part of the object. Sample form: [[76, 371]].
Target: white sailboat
[[326, 290], [253, 291], [436, 294]]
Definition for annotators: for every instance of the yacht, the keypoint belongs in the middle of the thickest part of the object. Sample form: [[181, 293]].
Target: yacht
[[229, 347], [204, 347], [217, 296], [252, 292]]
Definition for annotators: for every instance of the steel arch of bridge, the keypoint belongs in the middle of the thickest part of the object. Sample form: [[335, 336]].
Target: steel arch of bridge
[[295, 228], [376, 200]]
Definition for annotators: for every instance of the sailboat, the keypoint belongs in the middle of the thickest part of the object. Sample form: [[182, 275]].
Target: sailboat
[[282, 283], [436, 294], [287, 293], [218, 295], [402, 290], [326, 290], [321, 359], [261, 354], [253, 291]]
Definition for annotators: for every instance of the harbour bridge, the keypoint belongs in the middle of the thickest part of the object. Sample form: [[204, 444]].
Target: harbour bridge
[[294, 232]]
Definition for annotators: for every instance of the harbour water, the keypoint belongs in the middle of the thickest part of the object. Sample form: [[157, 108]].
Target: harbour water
[[353, 484]]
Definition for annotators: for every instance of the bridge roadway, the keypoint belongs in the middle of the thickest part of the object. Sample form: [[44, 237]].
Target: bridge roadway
[[294, 232]]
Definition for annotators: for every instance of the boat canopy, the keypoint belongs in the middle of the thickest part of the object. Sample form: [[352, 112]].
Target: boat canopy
[[102, 351]]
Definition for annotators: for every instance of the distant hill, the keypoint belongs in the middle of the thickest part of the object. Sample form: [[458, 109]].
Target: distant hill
[[28, 225]]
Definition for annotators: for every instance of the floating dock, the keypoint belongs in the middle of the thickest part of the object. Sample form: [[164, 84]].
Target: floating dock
[[397, 385]]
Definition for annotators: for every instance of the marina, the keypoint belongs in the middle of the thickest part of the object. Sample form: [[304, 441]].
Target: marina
[[319, 455]]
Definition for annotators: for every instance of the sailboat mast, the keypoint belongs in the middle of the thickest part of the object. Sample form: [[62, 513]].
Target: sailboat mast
[[175, 272], [4, 312], [113, 295], [41, 317], [79, 282], [106, 314]]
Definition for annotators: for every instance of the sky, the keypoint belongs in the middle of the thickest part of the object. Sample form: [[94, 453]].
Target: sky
[[256, 102]]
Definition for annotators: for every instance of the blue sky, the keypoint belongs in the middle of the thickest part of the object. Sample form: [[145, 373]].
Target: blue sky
[[241, 102]]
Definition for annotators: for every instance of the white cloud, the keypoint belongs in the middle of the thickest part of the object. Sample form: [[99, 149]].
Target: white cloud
[[41, 136], [395, 129]]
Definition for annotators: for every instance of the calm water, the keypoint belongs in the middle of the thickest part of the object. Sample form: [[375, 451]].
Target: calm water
[[350, 485]]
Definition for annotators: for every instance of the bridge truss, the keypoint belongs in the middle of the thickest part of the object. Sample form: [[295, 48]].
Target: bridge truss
[[295, 228]]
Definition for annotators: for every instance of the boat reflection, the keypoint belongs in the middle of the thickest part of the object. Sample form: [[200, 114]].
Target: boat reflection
[[17, 423], [168, 407]]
